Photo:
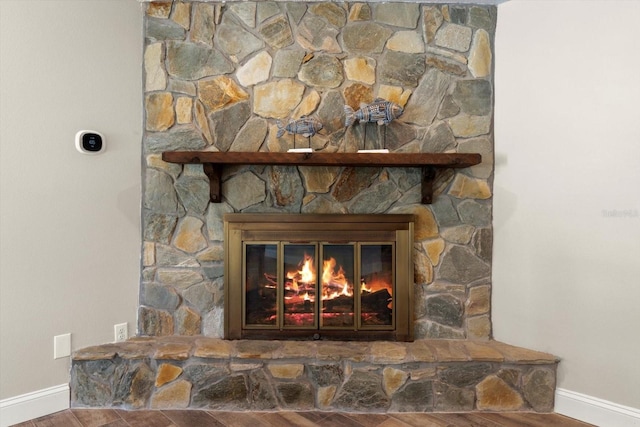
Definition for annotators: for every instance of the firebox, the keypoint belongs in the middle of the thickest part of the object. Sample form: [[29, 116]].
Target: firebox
[[326, 276]]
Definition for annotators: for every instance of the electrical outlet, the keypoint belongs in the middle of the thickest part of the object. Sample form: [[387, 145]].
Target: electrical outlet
[[61, 346], [121, 332]]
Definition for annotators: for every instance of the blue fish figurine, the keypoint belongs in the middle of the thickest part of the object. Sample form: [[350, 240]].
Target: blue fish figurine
[[305, 126], [379, 111]]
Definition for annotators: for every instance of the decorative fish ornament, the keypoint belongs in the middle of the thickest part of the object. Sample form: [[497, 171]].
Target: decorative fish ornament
[[305, 126], [379, 111]]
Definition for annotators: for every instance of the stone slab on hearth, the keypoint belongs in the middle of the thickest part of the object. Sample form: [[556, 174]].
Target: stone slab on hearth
[[207, 373]]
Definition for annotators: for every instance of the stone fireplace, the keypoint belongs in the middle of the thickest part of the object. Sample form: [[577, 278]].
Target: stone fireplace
[[218, 78]]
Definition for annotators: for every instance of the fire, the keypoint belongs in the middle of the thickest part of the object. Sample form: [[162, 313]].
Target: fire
[[305, 275], [334, 283]]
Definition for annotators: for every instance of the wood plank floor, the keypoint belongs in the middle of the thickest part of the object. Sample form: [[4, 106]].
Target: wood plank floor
[[191, 418]]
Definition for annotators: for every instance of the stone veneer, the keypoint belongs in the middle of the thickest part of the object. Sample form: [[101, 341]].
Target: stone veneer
[[218, 76], [207, 373]]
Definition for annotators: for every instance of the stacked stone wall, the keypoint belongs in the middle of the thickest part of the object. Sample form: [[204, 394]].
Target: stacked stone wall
[[218, 76]]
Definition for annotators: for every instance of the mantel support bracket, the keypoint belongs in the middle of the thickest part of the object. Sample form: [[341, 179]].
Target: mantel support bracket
[[428, 177], [214, 173]]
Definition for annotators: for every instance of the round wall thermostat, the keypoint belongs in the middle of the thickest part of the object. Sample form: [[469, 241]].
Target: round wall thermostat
[[90, 142]]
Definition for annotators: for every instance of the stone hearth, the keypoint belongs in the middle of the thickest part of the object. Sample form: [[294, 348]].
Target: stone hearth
[[209, 373]]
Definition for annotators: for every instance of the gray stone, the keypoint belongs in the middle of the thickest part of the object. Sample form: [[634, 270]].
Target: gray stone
[[332, 101], [403, 15], [483, 243], [445, 309], [163, 29], [365, 37], [414, 397], [242, 191], [226, 123], [178, 138], [261, 394], [229, 392], [87, 388], [375, 199], [453, 399], [314, 33], [202, 374], [251, 136], [458, 15], [352, 181], [432, 21], [403, 69], [326, 375], [187, 322], [296, 10], [287, 63], [267, 9], [200, 297], [322, 71], [332, 12], [538, 388], [475, 213], [203, 26], [481, 17], [277, 32], [465, 375], [426, 99], [190, 61], [237, 42], [405, 178], [167, 256], [466, 126], [133, 385], [286, 187], [432, 330], [362, 392], [213, 271], [193, 193], [215, 221], [484, 146], [448, 108], [397, 134], [159, 296], [160, 195], [453, 36], [473, 96], [154, 322], [181, 86], [444, 212], [157, 227], [438, 138], [296, 396], [212, 323], [461, 265], [246, 11], [179, 278], [322, 205]]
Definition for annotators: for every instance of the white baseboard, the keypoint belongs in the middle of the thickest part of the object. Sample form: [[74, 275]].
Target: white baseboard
[[595, 411], [32, 405]]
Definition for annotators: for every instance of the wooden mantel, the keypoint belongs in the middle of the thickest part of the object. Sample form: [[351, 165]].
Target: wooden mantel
[[213, 163]]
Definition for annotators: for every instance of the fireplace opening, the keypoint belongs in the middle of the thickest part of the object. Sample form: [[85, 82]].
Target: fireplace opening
[[318, 276]]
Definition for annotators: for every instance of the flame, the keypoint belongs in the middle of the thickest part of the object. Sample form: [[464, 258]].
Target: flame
[[306, 274], [334, 283]]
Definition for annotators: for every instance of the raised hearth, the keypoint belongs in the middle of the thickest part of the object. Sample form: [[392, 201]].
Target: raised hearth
[[420, 376]]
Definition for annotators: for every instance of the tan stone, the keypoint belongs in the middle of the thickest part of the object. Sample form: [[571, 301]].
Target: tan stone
[[256, 70], [460, 235], [434, 249], [418, 374], [188, 321], [159, 9], [493, 394], [450, 351], [479, 300], [240, 367], [182, 14], [483, 352], [522, 355], [188, 236], [167, 373], [98, 352], [172, 351], [432, 21], [159, 108], [360, 12], [388, 352], [148, 254], [325, 396], [173, 396], [308, 105], [406, 41], [420, 351], [360, 69], [394, 94], [466, 187], [213, 348], [203, 123], [288, 371], [479, 327], [179, 278], [393, 379], [277, 99], [341, 350], [458, 57], [155, 76], [480, 54], [425, 225], [184, 107], [220, 92], [132, 349], [212, 253], [319, 179], [422, 268], [155, 161], [358, 94], [298, 349]]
